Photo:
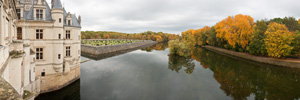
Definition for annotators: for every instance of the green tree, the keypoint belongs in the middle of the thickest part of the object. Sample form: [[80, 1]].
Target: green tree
[[257, 44], [291, 23], [296, 44], [212, 38], [277, 20]]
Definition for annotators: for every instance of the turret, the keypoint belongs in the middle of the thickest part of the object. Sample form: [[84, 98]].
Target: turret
[[57, 13]]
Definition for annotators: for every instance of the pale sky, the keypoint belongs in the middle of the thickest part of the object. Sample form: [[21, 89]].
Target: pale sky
[[171, 16]]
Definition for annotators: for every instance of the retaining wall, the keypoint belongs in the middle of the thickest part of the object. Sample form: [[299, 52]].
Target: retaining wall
[[292, 63], [98, 50], [57, 81]]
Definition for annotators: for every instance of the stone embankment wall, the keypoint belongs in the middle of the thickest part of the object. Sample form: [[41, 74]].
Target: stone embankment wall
[[57, 81], [98, 50], [292, 63]]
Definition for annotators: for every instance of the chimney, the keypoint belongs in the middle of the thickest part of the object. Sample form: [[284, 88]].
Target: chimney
[[79, 19], [52, 1]]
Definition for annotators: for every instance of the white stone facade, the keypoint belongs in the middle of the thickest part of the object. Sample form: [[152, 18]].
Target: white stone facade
[[58, 31], [45, 42], [15, 56]]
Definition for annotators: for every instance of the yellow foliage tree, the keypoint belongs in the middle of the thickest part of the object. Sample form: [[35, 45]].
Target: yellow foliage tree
[[278, 40], [236, 30], [188, 37]]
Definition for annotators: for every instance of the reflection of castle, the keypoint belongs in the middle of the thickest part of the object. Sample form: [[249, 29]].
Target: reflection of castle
[[39, 45]]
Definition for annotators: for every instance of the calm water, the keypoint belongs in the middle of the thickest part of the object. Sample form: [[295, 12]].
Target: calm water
[[150, 74]]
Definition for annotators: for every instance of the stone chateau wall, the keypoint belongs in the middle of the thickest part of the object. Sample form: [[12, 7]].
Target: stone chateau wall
[[57, 81], [268, 60], [98, 50]]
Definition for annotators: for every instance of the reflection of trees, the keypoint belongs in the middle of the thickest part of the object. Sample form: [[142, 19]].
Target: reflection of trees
[[158, 46], [177, 62], [241, 78]]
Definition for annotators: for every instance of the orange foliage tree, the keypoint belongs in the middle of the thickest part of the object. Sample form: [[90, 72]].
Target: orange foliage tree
[[236, 30]]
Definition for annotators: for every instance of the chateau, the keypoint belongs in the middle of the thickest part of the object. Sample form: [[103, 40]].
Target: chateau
[[39, 45]]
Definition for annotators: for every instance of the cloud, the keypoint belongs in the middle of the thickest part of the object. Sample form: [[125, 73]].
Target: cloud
[[173, 16]]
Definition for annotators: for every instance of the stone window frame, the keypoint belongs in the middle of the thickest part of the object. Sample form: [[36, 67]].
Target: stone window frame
[[18, 13], [39, 14], [68, 34], [68, 51], [39, 33], [59, 56], [69, 22], [19, 33], [39, 53]]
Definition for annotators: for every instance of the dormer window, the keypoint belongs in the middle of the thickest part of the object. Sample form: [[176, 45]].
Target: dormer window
[[39, 14], [69, 22], [19, 13]]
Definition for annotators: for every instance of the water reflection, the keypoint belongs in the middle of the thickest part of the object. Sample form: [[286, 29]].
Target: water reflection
[[241, 78], [159, 47], [155, 75], [176, 63]]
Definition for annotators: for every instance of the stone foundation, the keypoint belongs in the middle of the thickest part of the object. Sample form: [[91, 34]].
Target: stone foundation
[[57, 81]]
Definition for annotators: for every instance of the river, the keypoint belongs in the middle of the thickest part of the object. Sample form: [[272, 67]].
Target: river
[[152, 74]]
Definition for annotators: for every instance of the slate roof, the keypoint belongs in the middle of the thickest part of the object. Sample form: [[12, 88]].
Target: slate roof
[[57, 4], [29, 15]]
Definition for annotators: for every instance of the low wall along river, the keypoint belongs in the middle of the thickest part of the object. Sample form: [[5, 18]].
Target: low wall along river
[[98, 50], [292, 63]]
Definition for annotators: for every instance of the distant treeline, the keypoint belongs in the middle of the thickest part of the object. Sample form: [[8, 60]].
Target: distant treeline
[[278, 37], [149, 35]]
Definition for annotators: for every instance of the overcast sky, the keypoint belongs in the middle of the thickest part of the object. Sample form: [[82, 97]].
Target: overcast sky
[[172, 16]]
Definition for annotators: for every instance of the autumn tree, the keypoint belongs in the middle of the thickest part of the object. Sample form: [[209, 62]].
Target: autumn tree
[[278, 40], [211, 37], [236, 30], [257, 44], [188, 37]]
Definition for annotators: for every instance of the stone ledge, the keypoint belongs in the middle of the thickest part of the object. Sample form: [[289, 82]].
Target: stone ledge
[[291, 63]]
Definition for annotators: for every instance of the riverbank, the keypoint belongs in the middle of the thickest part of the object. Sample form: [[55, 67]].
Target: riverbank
[[99, 50], [291, 63]]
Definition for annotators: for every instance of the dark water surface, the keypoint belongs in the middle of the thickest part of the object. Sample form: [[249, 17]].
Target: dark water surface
[[150, 74]]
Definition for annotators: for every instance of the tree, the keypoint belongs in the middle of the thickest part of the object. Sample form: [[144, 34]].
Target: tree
[[188, 37], [177, 47], [296, 44], [211, 38], [236, 30], [291, 23], [277, 20], [278, 40], [257, 44], [204, 35]]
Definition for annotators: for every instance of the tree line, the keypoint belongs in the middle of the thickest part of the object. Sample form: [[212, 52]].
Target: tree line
[[149, 35], [278, 37]]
